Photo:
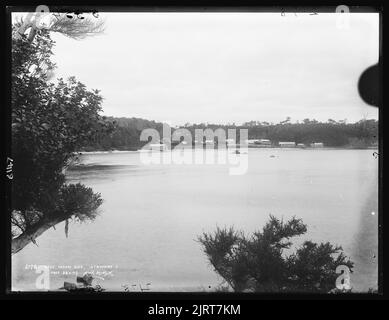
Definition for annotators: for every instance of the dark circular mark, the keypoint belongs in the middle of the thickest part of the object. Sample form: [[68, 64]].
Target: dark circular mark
[[368, 86]]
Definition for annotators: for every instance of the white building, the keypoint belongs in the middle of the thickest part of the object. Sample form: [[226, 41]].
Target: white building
[[317, 145], [259, 141], [230, 142], [287, 144], [252, 141], [265, 142]]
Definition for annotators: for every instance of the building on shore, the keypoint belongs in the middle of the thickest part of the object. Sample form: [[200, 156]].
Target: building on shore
[[301, 145], [252, 141], [230, 142], [259, 142], [287, 144], [264, 142], [317, 145]]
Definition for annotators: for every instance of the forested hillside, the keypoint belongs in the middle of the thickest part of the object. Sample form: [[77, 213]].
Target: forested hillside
[[361, 134]]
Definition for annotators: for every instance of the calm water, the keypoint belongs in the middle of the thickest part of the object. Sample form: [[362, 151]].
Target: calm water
[[147, 228]]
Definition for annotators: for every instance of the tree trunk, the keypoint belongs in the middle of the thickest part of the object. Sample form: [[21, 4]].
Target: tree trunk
[[32, 233], [32, 34], [28, 23]]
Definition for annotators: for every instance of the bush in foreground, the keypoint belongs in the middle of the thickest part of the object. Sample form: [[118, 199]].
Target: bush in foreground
[[259, 264]]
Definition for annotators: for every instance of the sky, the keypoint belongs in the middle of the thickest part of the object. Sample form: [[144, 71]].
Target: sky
[[225, 67]]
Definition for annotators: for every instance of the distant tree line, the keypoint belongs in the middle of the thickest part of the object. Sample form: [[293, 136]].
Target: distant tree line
[[361, 134]]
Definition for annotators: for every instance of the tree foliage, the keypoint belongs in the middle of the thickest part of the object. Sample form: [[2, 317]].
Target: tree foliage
[[259, 263], [50, 121], [75, 26]]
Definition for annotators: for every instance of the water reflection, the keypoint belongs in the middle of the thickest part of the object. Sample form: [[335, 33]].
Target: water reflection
[[152, 214]]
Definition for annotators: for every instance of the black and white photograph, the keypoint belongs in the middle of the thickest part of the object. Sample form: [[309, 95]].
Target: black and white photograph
[[194, 151]]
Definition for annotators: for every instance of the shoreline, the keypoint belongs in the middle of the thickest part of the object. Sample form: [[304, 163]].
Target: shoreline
[[232, 149]]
